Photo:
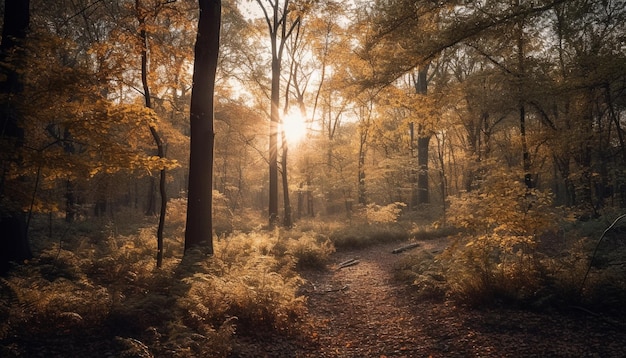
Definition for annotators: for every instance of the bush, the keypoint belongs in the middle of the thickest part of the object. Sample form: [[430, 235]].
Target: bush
[[496, 256], [310, 250], [376, 214], [364, 235], [423, 272], [244, 280]]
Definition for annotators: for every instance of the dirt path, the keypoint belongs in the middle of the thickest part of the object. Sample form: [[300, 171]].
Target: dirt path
[[360, 311]]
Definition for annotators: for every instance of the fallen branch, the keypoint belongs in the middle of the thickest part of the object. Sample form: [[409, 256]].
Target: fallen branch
[[348, 263], [345, 287], [404, 248]]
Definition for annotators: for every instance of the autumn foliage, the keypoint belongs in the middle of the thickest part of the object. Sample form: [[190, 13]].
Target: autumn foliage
[[494, 127]]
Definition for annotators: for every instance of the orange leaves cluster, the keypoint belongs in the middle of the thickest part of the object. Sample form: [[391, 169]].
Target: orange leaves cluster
[[504, 206], [503, 222]]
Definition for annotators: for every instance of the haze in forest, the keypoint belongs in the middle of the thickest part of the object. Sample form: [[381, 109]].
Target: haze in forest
[[153, 159]]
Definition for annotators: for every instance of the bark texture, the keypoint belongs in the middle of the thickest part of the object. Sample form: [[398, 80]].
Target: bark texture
[[199, 224]]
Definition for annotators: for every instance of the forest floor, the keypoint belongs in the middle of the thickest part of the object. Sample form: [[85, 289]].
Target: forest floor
[[362, 311]]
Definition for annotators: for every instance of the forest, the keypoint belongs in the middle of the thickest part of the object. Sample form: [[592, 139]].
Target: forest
[[312, 178]]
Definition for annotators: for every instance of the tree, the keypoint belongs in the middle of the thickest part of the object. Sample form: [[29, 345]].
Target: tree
[[199, 225], [582, 101], [322, 48], [14, 245], [143, 37], [280, 24], [423, 140]]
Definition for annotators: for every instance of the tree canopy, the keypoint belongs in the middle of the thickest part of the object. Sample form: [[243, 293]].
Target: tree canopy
[[403, 101]]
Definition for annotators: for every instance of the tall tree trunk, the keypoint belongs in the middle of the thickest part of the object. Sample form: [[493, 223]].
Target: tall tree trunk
[[413, 178], [199, 225], [16, 23], [423, 191], [362, 196], [292, 80], [309, 194], [155, 135], [14, 244], [521, 74], [528, 178], [70, 201], [279, 30], [441, 144], [362, 190], [288, 219], [273, 149], [423, 142]]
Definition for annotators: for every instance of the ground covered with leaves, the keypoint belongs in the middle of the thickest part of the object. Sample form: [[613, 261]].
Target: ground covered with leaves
[[362, 310]]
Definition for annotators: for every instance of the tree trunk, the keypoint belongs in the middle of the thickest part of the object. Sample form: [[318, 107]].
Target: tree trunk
[[528, 178], [70, 190], [309, 195], [279, 31], [288, 219], [423, 141], [14, 244], [16, 24], [300, 203], [157, 139], [521, 74], [273, 149], [362, 191], [199, 225], [413, 178], [423, 192], [151, 203]]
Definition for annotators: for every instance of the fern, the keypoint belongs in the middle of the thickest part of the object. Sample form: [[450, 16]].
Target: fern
[[111, 288]]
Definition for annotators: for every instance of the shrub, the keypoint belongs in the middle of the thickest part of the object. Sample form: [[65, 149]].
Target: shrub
[[377, 214], [310, 251], [362, 234], [565, 273], [177, 212], [244, 280], [432, 232], [603, 282], [423, 272], [496, 255]]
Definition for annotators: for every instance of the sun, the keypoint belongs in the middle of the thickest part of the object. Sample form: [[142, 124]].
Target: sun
[[294, 126]]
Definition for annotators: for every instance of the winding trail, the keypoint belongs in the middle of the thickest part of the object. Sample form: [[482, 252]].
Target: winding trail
[[361, 311]]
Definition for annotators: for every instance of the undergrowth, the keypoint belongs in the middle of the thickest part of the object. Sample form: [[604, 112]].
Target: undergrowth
[[513, 246], [108, 290], [372, 224]]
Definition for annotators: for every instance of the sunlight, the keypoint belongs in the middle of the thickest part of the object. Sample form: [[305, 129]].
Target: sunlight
[[294, 126]]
